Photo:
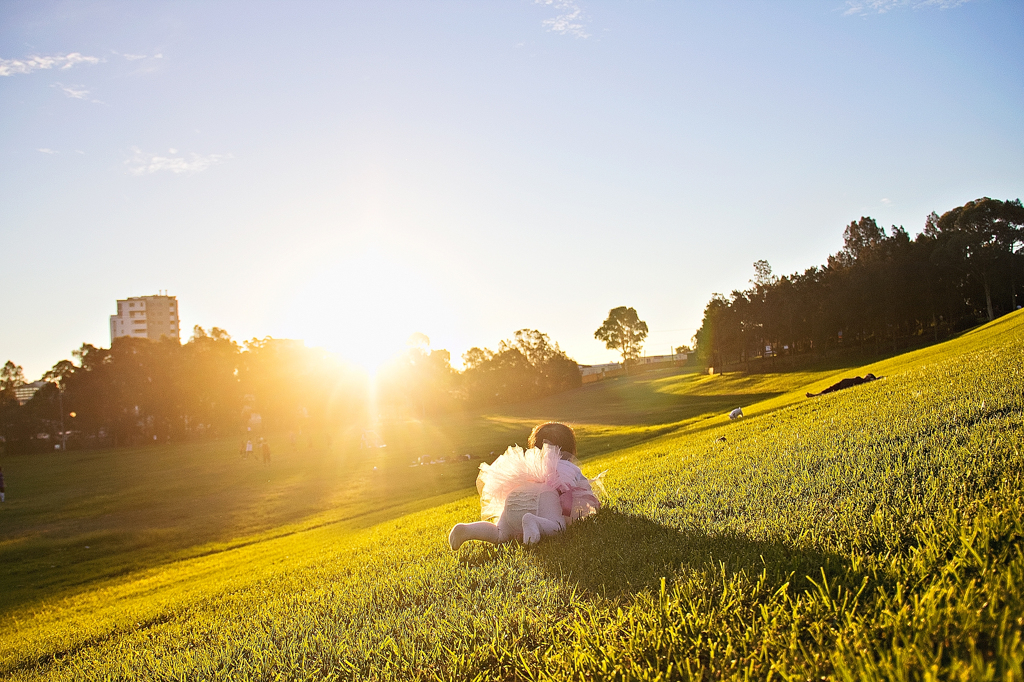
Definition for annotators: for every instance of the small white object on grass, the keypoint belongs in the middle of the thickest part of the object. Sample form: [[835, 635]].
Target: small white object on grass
[[736, 414]]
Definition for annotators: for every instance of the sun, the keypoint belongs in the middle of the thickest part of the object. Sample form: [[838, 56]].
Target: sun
[[380, 340], [365, 308]]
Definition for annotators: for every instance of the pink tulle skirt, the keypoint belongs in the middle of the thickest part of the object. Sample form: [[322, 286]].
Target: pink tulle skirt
[[536, 470]]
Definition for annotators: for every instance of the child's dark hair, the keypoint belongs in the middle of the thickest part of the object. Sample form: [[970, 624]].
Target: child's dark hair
[[556, 434]]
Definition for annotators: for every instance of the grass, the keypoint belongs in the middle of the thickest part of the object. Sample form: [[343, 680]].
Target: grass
[[874, 533], [75, 519]]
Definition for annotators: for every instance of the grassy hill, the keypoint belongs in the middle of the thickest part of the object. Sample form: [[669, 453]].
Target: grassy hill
[[873, 533]]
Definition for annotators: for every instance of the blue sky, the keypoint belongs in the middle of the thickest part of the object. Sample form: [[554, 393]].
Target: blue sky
[[349, 173]]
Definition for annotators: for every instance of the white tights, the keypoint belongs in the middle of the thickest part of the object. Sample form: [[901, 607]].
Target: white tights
[[531, 527]]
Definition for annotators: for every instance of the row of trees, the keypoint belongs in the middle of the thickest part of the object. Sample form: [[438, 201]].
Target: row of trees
[[422, 381], [964, 267], [140, 390], [526, 366], [144, 390]]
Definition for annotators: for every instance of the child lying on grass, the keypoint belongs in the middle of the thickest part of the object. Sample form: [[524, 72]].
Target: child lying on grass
[[531, 494]]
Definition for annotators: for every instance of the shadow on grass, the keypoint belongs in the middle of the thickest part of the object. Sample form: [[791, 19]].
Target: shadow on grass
[[685, 407], [613, 554], [633, 405]]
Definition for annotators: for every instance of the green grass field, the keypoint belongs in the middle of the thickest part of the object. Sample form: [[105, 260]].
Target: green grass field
[[874, 533]]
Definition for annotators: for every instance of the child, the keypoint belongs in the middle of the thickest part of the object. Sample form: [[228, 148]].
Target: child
[[532, 493]]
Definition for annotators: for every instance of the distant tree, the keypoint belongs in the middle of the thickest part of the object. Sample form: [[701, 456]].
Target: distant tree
[[763, 274], [623, 331], [419, 381], [555, 370], [11, 376], [475, 357], [418, 340], [980, 238], [710, 340], [527, 366], [60, 373], [212, 395], [858, 237]]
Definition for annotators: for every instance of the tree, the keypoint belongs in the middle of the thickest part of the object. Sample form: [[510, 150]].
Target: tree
[[528, 366], [980, 238], [60, 373], [418, 381], [623, 331], [763, 277], [11, 376]]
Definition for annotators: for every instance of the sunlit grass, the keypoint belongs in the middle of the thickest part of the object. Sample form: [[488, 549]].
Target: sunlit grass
[[870, 534]]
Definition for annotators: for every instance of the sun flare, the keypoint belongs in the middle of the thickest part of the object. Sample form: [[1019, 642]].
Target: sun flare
[[365, 309]]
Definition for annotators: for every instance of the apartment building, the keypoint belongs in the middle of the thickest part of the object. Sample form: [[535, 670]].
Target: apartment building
[[146, 317]]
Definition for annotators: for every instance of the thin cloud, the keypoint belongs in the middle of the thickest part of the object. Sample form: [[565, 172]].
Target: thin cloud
[[134, 57], [569, 21], [145, 164], [857, 7], [71, 91], [76, 92], [46, 151], [10, 67]]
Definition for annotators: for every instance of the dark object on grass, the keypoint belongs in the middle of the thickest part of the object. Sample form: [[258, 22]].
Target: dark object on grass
[[720, 439], [845, 383]]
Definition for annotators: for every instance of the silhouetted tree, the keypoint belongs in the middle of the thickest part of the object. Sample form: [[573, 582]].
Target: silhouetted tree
[[980, 238], [419, 381], [623, 330], [879, 288], [527, 366]]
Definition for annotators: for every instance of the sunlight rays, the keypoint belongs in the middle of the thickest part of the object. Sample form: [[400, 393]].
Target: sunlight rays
[[365, 307]]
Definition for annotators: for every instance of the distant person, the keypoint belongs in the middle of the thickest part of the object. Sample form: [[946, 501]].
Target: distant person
[[265, 451], [3, 490], [532, 494], [845, 383], [248, 449]]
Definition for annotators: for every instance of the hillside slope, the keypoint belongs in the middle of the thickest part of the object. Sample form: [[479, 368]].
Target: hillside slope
[[78, 520], [874, 533]]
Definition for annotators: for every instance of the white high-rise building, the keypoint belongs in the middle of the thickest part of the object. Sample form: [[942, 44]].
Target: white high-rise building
[[146, 317]]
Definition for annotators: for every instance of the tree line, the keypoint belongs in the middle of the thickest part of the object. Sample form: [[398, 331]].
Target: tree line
[[882, 288], [139, 390]]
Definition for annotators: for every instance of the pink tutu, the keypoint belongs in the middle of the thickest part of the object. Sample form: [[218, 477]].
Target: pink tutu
[[538, 469]]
